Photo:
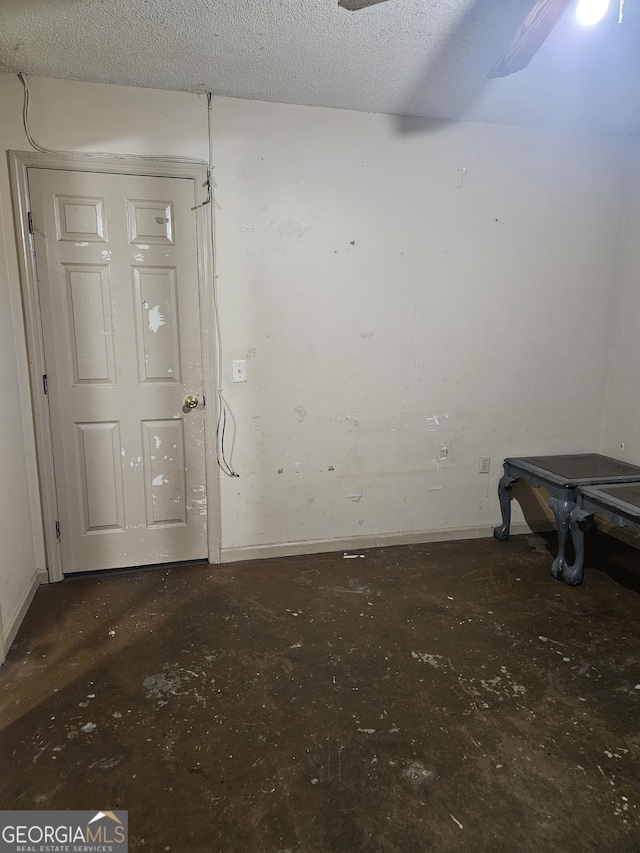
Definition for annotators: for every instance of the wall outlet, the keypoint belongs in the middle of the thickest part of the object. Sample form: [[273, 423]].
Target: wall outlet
[[484, 463], [239, 370]]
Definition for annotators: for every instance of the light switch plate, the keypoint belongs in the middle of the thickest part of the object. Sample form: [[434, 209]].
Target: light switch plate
[[239, 370]]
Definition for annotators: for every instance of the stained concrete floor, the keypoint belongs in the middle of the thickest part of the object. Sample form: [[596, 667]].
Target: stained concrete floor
[[444, 697]]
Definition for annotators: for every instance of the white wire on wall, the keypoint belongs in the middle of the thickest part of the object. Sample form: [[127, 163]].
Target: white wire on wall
[[224, 411], [25, 117], [225, 414]]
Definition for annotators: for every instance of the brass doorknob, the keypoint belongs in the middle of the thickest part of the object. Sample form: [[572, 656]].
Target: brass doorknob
[[191, 401]]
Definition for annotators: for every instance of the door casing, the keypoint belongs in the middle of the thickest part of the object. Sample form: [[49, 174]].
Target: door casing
[[20, 162]]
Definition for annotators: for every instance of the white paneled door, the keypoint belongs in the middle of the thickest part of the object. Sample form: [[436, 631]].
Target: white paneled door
[[117, 267]]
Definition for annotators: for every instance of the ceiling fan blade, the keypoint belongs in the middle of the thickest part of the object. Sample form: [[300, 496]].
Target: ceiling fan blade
[[356, 5], [535, 29]]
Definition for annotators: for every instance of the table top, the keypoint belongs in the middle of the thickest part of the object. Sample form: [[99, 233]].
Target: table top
[[623, 497], [578, 469]]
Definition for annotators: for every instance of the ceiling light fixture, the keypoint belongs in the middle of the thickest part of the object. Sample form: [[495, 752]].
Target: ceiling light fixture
[[589, 12]]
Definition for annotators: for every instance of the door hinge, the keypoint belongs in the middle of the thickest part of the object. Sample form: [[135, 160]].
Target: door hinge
[[45, 383], [30, 221], [58, 530]]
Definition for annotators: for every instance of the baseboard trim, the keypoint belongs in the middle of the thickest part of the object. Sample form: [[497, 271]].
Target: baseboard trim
[[40, 576], [360, 543]]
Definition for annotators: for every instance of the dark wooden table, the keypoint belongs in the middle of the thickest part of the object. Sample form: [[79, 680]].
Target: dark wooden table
[[562, 477]]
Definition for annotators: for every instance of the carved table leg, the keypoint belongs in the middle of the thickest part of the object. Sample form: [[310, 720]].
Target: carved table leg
[[504, 494], [574, 574], [562, 509]]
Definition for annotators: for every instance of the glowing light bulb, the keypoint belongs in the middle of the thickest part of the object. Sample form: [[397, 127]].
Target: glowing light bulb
[[589, 12]]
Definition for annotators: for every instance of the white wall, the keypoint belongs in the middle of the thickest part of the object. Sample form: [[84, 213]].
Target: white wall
[[621, 435], [398, 292], [20, 551], [387, 301]]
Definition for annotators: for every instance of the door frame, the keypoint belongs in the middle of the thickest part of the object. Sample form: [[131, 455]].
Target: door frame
[[19, 163]]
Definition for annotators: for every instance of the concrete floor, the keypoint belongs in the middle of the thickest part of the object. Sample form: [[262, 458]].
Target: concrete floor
[[447, 697]]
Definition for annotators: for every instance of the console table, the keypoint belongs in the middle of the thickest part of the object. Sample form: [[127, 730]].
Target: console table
[[562, 477]]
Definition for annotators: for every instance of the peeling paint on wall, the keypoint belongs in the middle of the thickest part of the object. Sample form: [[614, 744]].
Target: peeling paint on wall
[[156, 319]]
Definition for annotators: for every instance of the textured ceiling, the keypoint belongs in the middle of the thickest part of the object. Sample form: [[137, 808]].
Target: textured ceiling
[[403, 57]]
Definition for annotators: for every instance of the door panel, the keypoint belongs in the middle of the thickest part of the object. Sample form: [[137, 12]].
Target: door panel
[[88, 299], [118, 279], [100, 473], [158, 355]]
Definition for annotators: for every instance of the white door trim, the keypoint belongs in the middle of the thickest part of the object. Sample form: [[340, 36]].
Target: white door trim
[[20, 161], [3, 653]]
